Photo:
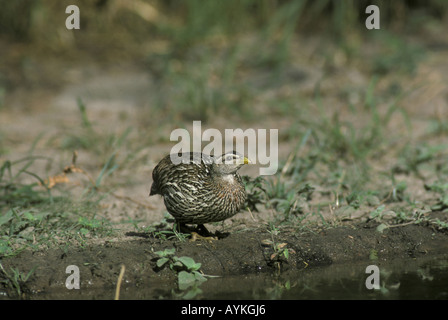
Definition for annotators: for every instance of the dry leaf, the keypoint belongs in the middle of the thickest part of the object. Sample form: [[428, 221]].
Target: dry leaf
[[52, 181]]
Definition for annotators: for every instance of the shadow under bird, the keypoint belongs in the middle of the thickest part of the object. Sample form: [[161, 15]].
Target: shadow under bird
[[202, 188]]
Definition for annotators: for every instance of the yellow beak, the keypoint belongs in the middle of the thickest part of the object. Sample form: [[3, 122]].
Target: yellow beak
[[247, 161]]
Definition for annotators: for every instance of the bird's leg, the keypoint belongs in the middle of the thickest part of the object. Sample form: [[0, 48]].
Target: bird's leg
[[202, 234], [202, 230], [182, 227]]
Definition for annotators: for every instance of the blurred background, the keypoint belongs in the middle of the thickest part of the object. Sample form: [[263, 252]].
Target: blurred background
[[354, 107], [217, 57]]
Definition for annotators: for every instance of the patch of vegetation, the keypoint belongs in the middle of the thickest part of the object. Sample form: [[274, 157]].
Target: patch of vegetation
[[398, 55], [441, 188], [255, 191], [89, 137], [16, 281], [414, 157], [280, 251], [33, 217], [188, 272]]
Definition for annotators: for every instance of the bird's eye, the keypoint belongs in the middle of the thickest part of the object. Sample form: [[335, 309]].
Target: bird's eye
[[229, 158]]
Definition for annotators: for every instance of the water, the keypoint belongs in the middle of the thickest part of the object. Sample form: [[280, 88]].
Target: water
[[410, 279], [404, 279]]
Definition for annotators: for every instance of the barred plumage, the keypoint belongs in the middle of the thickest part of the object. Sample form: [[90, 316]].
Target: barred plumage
[[202, 188]]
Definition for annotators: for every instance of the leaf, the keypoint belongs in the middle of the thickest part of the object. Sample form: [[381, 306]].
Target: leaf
[[5, 249], [444, 200], [6, 217], [54, 180], [165, 252], [28, 215], [199, 277], [281, 245], [176, 264], [189, 263], [109, 166], [377, 212], [373, 255], [266, 242], [192, 293], [185, 280], [162, 261], [382, 227]]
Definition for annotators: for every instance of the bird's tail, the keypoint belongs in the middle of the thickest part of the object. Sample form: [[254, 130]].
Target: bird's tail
[[154, 189]]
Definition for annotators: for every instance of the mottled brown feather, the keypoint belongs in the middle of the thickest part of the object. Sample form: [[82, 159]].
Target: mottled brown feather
[[200, 191]]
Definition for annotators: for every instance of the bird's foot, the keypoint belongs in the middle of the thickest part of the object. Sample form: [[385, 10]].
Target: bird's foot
[[199, 233], [196, 236], [202, 234]]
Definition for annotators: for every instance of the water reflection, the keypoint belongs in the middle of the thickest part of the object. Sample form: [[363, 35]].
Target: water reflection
[[410, 279], [404, 279]]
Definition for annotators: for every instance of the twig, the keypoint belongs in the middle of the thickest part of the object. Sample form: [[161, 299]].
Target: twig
[[400, 224], [253, 218], [120, 279]]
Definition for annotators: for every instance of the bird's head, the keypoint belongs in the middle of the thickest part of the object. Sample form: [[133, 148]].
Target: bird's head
[[229, 163]]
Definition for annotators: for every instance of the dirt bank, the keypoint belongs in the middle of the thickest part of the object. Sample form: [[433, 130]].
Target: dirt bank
[[240, 253]]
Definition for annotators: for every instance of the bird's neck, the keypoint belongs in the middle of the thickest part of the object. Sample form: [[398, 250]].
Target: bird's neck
[[229, 178]]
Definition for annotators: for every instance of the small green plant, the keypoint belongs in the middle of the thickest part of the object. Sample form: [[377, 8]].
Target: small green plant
[[438, 126], [378, 212], [255, 190], [31, 217], [164, 230], [281, 251], [412, 158], [188, 271], [399, 218], [93, 225], [441, 225], [15, 280], [291, 203], [442, 189], [398, 56], [15, 193]]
